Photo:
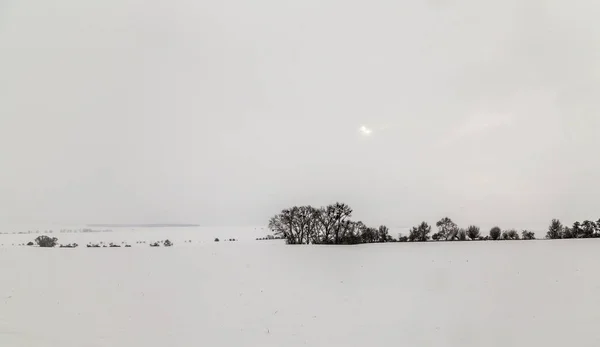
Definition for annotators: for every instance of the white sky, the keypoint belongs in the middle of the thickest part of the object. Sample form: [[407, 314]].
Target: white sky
[[224, 112]]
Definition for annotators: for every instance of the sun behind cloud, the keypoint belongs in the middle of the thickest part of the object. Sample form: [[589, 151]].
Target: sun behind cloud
[[365, 131]]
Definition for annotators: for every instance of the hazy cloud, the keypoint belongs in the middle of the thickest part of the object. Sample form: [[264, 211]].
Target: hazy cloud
[[223, 112]]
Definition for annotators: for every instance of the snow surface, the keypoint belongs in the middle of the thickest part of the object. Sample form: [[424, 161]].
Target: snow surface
[[265, 293]]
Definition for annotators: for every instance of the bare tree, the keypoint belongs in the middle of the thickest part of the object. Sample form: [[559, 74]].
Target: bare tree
[[327, 221], [384, 234], [555, 230], [511, 234], [473, 232], [462, 235], [341, 216], [420, 233], [588, 229], [576, 231], [527, 235], [447, 229], [495, 233]]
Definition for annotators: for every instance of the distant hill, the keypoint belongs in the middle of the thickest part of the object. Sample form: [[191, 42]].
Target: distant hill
[[143, 225]]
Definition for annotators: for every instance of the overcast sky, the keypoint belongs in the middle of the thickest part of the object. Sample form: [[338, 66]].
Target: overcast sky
[[224, 112]]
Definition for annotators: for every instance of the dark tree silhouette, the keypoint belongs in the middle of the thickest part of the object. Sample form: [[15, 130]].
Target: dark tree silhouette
[[588, 229], [420, 233], [327, 221], [281, 225], [453, 234], [528, 235], [567, 233], [446, 228], [46, 241], [473, 232], [305, 223], [555, 230], [511, 234], [327, 225], [576, 231], [350, 232], [341, 214], [384, 234], [495, 233], [367, 235], [462, 235]]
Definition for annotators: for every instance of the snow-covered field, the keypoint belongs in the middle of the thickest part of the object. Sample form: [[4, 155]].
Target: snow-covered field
[[264, 293]]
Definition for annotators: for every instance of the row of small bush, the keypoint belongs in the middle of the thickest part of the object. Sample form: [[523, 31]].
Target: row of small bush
[[217, 240], [269, 237]]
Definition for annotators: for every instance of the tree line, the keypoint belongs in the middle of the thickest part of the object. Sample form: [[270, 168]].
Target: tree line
[[333, 225], [584, 230]]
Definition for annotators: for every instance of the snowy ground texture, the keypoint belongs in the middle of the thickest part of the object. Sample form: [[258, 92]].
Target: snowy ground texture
[[264, 293]]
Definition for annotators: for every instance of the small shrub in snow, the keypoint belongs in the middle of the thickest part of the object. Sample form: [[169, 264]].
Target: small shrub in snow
[[46, 241], [217, 239], [168, 243]]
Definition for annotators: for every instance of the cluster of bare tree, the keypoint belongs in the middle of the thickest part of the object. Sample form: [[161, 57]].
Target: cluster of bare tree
[[325, 225], [587, 229], [333, 225]]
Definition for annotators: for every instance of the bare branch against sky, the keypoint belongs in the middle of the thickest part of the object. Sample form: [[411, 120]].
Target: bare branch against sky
[[223, 112]]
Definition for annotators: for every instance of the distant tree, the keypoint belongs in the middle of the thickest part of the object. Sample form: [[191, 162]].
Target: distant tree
[[30, 243], [567, 233], [453, 234], [327, 218], [436, 237], [46, 241], [420, 233], [555, 230], [446, 228], [495, 233], [216, 239], [588, 229], [341, 215], [168, 243], [306, 224], [367, 235], [350, 233], [528, 235], [473, 232], [384, 234], [299, 224], [576, 231], [511, 234], [462, 234], [402, 238], [282, 225]]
